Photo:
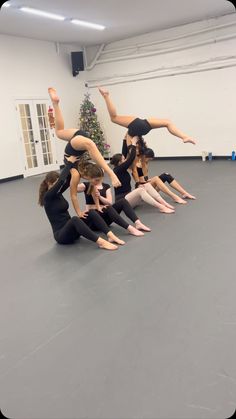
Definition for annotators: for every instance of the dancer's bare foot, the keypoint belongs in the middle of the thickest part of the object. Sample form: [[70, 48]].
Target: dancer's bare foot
[[180, 200], [141, 226], [166, 210], [104, 244], [103, 92], [112, 238], [169, 206], [134, 231], [189, 140], [53, 95], [188, 196]]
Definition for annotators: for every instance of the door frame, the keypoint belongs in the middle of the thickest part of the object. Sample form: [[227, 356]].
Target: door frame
[[41, 168]]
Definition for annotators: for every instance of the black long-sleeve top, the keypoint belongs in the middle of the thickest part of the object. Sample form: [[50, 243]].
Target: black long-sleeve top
[[55, 205], [122, 173]]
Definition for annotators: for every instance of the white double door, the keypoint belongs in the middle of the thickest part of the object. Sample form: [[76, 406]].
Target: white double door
[[38, 141]]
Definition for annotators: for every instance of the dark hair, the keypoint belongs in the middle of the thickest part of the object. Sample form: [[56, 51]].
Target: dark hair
[[51, 177], [115, 160], [90, 170], [142, 146], [149, 153]]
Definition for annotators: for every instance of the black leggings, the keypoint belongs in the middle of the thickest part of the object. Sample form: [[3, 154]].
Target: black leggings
[[96, 222], [123, 205], [166, 177], [72, 230], [111, 214]]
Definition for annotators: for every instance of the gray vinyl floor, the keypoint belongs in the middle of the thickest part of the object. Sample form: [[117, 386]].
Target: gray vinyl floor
[[148, 331]]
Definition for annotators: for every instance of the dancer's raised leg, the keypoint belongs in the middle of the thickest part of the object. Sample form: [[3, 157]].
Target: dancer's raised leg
[[125, 120], [166, 123], [63, 134]]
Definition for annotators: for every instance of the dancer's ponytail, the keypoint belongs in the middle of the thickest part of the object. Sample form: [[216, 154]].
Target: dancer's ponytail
[[51, 177]]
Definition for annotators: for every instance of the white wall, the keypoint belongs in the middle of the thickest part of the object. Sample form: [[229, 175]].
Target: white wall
[[201, 103], [28, 67]]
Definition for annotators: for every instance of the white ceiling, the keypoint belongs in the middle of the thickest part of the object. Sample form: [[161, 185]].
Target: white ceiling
[[122, 18]]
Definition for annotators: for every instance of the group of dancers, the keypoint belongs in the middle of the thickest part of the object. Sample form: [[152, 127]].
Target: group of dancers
[[100, 211]]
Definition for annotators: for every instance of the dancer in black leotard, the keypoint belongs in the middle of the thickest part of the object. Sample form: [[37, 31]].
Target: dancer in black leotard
[[79, 142], [66, 229], [140, 127], [158, 182], [110, 213], [144, 193]]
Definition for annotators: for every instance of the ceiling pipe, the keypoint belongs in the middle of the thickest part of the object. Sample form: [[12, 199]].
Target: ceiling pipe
[[146, 44], [167, 50], [95, 60], [171, 74]]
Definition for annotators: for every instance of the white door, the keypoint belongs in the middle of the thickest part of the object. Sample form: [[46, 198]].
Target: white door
[[38, 141]]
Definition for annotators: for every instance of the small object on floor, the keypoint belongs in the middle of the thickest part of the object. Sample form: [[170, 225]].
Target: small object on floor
[[233, 155], [210, 156], [204, 155]]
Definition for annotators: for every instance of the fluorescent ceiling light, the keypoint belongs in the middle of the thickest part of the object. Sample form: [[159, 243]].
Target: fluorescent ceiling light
[[7, 4], [88, 24], [41, 13]]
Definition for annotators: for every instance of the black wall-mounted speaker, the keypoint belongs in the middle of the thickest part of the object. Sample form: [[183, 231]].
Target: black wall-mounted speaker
[[77, 61]]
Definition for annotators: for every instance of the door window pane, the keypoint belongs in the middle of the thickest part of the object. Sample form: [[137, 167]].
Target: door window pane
[[31, 136], [29, 123], [27, 110], [35, 162], [22, 110], [50, 159], [42, 135], [44, 147], [24, 124], [33, 150], [30, 163], [39, 110], [26, 136], [27, 149], [45, 159]]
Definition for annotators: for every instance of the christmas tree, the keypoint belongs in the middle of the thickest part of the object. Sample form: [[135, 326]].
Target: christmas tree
[[89, 122]]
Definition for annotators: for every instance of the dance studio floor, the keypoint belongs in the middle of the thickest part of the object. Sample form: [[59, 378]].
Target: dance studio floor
[[148, 331]]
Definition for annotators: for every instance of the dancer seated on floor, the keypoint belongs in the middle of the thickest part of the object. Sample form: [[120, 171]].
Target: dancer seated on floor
[[144, 193], [158, 182], [67, 229], [78, 141], [139, 127], [108, 211]]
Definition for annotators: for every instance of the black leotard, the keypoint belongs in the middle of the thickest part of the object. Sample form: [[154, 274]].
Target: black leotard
[[139, 127], [66, 229], [165, 177], [55, 205], [122, 173], [111, 213], [70, 151], [89, 199]]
